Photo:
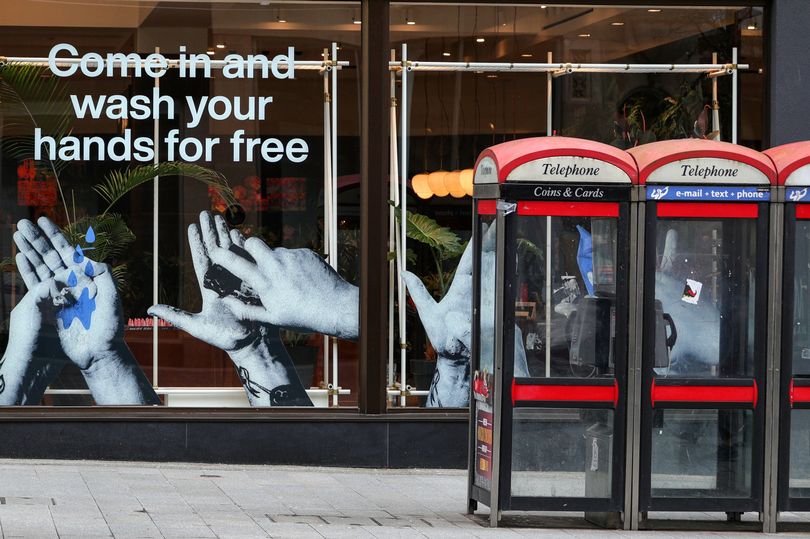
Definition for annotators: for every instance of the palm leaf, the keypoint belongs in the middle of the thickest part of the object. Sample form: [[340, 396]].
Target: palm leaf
[[113, 236], [425, 230], [31, 98], [120, 182], [528, 247]]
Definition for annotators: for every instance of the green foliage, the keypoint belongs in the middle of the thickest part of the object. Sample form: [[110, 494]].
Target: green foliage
[[30, 98], [409, 255], [423, 229], [528, 248], [113, 236], [444, 245], [120, 182]]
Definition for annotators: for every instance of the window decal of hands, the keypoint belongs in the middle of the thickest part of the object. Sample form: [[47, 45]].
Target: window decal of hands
[[72, 313]]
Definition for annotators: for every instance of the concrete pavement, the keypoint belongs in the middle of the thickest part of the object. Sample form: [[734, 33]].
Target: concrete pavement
[[84, 499]]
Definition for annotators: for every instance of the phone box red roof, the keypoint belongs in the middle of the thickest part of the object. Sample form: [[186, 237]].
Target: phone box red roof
[[792, 162], [554, 159], [698, 161]]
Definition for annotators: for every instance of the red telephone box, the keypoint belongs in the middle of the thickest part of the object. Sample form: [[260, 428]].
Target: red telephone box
[[704, 348], [793, 455], [550, 327]]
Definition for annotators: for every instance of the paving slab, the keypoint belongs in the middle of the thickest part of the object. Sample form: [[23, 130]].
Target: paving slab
[[85, 499]]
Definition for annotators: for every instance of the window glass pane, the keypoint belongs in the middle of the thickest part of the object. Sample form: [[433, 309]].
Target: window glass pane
[[572, 334], [702, 453], [487, 291], [562, 452], [705, 285], [453, 115], [801, 301], [799, 480], [241, 134]]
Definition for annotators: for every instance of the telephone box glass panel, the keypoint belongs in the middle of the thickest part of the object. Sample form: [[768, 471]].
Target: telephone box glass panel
[[483, 380], [565, 308], [799, 351], [562, 452], [705, 285]]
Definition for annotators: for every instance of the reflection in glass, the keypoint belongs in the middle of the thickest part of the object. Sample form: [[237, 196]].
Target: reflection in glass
[[562, 452], [565, 304], [799, 476], [623, 110], [279, 201], [801, 300], [799, 480], [705, 298], [486, 350], [701, 453]]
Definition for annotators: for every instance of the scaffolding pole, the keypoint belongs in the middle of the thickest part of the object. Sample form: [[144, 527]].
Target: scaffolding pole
[[403, 242], [41, 61], [333, 248], [566, 68], [327, 203], [393, 236]]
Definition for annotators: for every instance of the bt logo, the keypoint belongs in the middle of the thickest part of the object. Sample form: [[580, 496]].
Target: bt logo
[[659, 192], [797, 194]]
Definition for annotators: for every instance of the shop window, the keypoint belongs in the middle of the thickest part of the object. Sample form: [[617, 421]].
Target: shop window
[[252, 144], [454, 112]]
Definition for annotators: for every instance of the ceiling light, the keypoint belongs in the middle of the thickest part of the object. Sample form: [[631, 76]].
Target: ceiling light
[[479, 40], [654, 10], [617, 23], [752, 26], [210, 51], [409, 22], [584, 35], [542, 7], [356, 21], [445, 54], [526, 55], [220, 45], [281, 20]]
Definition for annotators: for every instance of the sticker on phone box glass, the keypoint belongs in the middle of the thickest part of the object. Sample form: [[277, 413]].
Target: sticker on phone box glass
[[691, 291]]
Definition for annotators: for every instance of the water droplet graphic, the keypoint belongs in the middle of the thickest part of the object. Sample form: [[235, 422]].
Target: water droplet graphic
[[90, 237], [78, 255], [72, 280], [81, 310], [88, 269]]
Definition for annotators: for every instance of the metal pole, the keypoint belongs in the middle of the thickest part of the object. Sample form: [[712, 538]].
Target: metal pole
[[327, 200], [715, 103], [155, 243], [403, 208], [393, 237], [497, 401], [634, 359], [548, 297], [549, 88], [563, 68], [41, 61], [333, 248], [773, 373], [734, 76]]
